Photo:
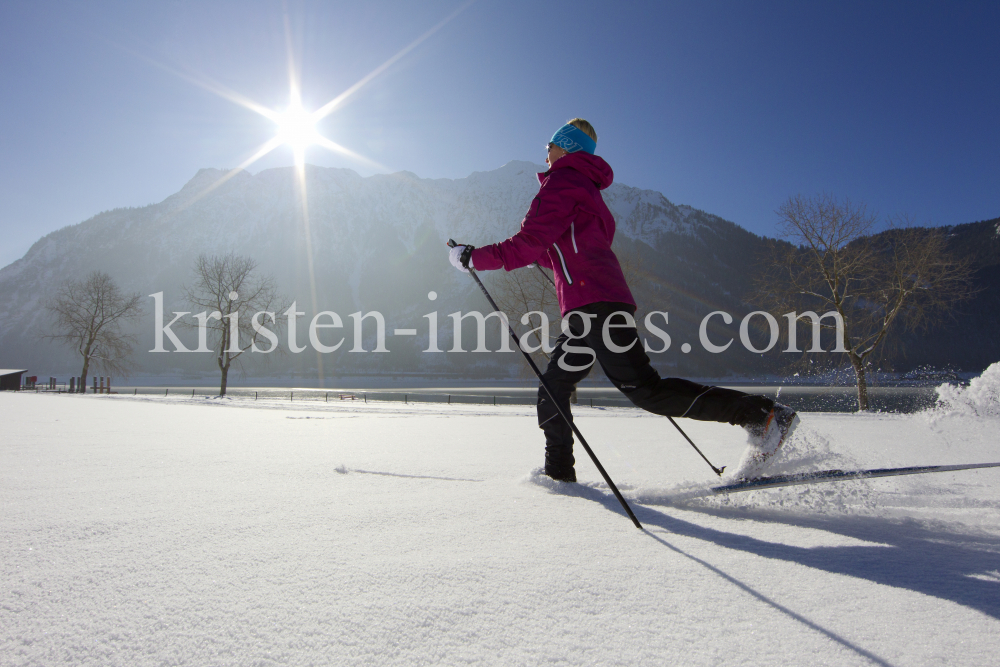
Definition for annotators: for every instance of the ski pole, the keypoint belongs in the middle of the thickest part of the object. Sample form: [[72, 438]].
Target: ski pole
[[717, 471], [545, 385]]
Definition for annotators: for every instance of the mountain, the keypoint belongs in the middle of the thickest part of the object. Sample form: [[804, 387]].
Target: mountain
[[377, 243], [969, 337]]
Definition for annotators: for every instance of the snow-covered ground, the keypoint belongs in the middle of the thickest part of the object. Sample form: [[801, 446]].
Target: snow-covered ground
[[178, 531]]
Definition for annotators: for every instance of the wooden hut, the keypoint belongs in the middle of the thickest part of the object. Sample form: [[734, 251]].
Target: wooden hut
[[10, 379]]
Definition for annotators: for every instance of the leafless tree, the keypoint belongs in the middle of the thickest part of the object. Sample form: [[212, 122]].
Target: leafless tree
[[231, 293], [880, 284], [523, 291], [89, 314]]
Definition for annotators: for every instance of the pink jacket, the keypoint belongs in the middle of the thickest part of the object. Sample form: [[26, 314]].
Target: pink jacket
[[568, 229]]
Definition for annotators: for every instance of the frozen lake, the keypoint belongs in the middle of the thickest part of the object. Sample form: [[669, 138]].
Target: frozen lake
[[809, 399]]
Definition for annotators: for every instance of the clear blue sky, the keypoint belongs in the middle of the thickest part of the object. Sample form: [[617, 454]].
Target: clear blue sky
[[730, 107]]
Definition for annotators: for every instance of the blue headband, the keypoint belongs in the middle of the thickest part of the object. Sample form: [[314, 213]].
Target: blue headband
[[571, 139]]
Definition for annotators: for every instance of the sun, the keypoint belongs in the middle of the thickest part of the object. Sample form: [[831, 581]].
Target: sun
[[297, 128]]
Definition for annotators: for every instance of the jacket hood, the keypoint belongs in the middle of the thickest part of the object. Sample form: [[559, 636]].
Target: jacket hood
[[592, 166]]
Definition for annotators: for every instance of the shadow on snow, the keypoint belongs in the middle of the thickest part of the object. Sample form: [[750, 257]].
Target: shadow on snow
[[949, 565]]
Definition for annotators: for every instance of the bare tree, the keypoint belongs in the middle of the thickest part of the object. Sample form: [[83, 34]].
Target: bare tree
[[231, 293], [523, 291], [89, 314], [901, 279]]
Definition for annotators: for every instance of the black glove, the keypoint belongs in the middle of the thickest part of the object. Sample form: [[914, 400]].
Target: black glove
[[460, 255], [467, 255]]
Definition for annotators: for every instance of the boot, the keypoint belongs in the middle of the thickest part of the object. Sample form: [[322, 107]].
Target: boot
[[765, 438]]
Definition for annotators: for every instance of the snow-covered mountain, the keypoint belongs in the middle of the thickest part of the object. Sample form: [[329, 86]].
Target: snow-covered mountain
[[374, 243]]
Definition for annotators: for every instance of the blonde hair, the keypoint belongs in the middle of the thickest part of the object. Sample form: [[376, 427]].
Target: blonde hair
[[587, 128]]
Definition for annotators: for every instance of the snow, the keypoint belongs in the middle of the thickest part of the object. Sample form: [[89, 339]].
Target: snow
[[179, 531], [980, 398]]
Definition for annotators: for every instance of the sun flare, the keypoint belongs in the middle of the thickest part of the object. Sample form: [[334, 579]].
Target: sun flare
[[297, 128]]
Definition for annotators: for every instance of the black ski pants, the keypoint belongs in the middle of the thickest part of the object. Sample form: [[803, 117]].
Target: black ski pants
[[630, 371]]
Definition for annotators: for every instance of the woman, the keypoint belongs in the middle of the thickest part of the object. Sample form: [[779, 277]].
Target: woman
[[569, 229]]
